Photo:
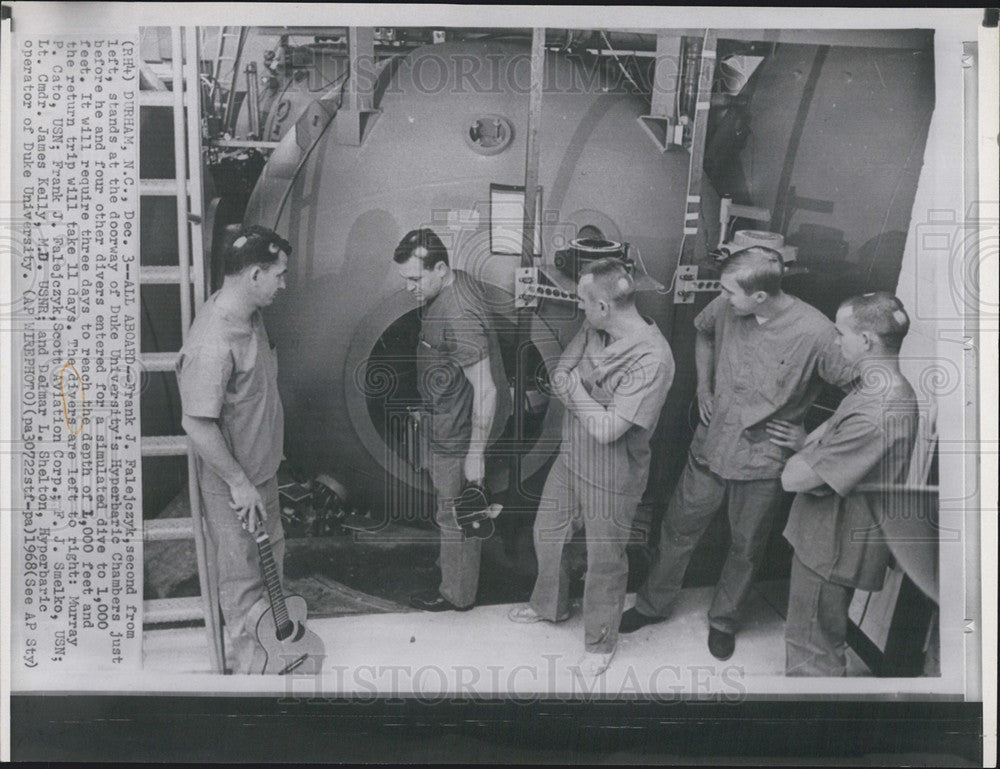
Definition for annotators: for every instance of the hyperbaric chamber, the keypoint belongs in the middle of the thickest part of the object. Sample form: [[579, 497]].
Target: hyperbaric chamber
[[450, 132]]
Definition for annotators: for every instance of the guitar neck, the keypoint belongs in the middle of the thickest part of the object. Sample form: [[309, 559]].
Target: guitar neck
[[272, 582]]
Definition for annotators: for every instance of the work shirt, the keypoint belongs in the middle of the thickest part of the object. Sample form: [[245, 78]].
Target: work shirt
[[630, 377], [457, 332], [763, 371], [227, 371], [868, 440]]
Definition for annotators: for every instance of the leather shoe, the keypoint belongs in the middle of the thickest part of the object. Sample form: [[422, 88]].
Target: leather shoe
[[721, 644], [432, 600], [632, 620]]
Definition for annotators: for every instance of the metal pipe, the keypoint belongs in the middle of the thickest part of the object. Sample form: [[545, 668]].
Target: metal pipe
[[973, 257], [523, 333], [532, 150], [180, 180], [192, 96], [253, 100], [227, 120]]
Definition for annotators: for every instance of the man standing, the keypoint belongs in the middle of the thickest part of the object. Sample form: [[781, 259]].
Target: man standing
[[461, 380], [228, 378], [613, 378], [839, 544], [759, 355]]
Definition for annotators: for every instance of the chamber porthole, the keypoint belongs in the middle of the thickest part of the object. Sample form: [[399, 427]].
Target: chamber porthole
[[394, 403]]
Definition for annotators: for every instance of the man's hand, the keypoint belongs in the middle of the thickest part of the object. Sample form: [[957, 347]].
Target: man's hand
[[705, 402], [786, 434], [248, 505], [474, 466]]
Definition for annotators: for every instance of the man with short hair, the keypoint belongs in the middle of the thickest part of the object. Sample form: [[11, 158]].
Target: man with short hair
[[833, 527], [461, 380], [227, 373], [760, 356], [613, 378]]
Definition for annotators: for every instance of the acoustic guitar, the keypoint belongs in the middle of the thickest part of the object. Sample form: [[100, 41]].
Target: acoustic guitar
[[284, 644]]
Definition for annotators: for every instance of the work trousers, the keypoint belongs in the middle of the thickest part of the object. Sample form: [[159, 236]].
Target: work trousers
[[568, 503], [459, 557], [241, 582], [700, 494], [816, 626]]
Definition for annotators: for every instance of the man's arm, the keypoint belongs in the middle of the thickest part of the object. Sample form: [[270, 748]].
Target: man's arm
[[603, 425], [484, 405], [850, 447], [704, 364], [799, 476], [561, 376], [211, 447]]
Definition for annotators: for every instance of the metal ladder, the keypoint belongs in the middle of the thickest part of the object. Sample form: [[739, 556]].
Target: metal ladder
[[186, 187]]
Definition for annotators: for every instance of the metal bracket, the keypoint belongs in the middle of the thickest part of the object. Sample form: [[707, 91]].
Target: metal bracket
[[528, 289], [686, 284]]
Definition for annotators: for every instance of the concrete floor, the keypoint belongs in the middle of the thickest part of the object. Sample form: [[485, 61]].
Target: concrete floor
[[482, 653]]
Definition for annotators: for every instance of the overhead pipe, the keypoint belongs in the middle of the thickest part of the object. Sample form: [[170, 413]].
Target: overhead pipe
[[253, 100]]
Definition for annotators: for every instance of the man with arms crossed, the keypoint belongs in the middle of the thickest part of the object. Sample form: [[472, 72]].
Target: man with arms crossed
[[228, 378], [461, 380], [839, 545], [760, 355], [613, 378]]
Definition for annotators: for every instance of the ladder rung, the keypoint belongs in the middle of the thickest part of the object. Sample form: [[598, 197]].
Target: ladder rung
[[158, 361], [168, 528], [245, 143], [159, 187], [170, 274], [161, 610], [164, 445], [156, 98]]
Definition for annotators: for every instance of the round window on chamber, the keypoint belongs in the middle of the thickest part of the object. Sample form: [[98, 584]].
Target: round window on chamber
[[489, 134]]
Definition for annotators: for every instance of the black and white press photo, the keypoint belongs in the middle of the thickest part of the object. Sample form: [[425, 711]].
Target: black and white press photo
[[418, 358]]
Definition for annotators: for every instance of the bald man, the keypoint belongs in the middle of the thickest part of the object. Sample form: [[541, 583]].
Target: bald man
[[613, 379]]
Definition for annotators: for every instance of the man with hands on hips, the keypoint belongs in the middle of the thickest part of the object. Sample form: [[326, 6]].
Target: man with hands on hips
[[761, 357]]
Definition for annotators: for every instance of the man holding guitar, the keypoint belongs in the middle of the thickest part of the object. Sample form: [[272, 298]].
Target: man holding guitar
[[228, 378]]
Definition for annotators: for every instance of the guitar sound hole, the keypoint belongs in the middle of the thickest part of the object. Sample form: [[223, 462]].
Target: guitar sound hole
[[300, 630], [285, 631]]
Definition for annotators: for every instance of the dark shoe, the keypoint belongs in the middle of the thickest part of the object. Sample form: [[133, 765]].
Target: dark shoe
[[432, 600], [632, 620], [721, 644]]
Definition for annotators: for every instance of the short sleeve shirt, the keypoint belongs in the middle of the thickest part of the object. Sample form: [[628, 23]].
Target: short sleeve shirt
[[763, 371], [631, 377], [456, 331], [869, 440], [227, 371]]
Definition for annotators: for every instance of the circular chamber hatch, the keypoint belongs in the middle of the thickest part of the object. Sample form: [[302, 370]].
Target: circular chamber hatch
[[393, 400]]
